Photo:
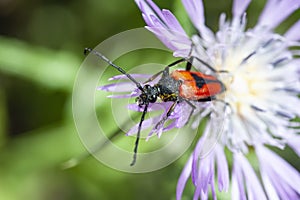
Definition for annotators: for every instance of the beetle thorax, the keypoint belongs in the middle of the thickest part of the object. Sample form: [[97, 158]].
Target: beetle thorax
[[168, 88]]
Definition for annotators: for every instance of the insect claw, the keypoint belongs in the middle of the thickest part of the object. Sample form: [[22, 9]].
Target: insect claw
[[87, 51], [161, 123], [133, 161]]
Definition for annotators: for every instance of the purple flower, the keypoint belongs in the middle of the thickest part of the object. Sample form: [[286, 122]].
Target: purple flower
[[280, 179], [244, 178], [262, 88]]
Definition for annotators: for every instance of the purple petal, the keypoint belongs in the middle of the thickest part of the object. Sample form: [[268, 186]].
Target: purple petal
[[239, 7], [204, 196], [146, 124], [119, 96], [211, 135], [161, 36], [204, 176], [151, 107], [284, 191], [186, 172], [171, 20], [163, 24], [199, 192], [135, 93], [294, 142], [280, 171], [203, 150], [149, 7], [184, 110], [173, 40], [212, 184], [268, 185], [254, 189], [182, 53], [170, 126], [196, 154], [135, 76], [293, 32], [195, 10], [275, 188], [237, 190], [276, 11], [118, 87], [223, 174]]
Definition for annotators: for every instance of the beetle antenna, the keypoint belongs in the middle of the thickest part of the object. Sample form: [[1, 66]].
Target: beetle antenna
[[138, 135], [89, 50]]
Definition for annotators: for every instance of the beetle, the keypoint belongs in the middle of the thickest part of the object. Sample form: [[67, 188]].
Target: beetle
[[178, 86]]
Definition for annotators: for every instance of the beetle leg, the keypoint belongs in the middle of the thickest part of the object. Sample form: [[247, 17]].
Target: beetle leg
[[189, 64], [170, 110], [153, 77], [138, 135], [165, 71], [226, 105], [207, 65], [192, 111], [176, 62]]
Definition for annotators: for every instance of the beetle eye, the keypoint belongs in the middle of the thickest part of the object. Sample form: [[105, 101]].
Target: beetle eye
[[147, 87], [153, 98], [139, 101]]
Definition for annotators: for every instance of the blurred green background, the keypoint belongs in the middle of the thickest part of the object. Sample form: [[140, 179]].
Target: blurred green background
[[41, 49]]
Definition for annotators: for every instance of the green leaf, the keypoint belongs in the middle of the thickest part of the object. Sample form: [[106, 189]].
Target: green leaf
[[54, 69]]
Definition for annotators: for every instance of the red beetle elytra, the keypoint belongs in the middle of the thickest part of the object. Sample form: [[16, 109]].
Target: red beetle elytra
[[197, 86], [180, 85]]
